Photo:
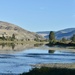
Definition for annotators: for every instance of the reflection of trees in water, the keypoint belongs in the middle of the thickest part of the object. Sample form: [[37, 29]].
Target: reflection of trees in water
[[21, 43], [15, 46], [12, 45], [3, 45], [37, 45], [51, 51]]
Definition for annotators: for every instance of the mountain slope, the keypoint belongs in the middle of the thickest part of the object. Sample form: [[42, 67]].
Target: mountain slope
[[67, 33], [8, 29], [44, 33]]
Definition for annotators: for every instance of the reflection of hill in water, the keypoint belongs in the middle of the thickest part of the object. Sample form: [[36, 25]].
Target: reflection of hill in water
[[11, 47]]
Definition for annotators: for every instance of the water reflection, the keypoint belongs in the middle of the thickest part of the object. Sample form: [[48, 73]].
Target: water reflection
[[37, 45], [3, 45], [17, 63], [51, 51], [16, 47]]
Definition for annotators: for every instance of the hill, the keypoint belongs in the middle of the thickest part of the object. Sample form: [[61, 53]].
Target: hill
[[67, 33], [8, 29], [44, 33]]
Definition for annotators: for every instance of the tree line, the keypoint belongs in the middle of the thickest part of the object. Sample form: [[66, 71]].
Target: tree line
[[53, 40], [10, 38]]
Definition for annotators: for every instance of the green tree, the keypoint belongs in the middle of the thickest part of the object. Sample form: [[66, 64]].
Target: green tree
[[3, 38], [13, 37], [52, 38], [64, 39], [73, 38]]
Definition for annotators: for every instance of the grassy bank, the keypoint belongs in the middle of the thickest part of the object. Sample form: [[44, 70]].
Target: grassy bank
[[50, 71]]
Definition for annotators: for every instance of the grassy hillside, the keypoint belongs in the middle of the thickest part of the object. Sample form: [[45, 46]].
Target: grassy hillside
[[8, 29]]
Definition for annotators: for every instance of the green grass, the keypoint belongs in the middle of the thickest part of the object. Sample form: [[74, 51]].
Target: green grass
[[50, 71]]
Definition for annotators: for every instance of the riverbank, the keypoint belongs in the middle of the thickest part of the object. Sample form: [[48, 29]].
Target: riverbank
[[52, 69], [71, 49], [61, 46], [56, 65]]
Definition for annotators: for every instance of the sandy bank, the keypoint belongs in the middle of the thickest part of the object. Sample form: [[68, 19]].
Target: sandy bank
[[56, 65]]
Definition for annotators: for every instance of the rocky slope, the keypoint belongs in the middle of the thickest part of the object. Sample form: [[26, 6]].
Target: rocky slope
[[8, 29]]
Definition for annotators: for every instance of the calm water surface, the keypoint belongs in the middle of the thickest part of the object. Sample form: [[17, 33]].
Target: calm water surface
[[18, 60]]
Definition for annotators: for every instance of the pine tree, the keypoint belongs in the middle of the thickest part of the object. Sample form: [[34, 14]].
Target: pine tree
[[52, 38]]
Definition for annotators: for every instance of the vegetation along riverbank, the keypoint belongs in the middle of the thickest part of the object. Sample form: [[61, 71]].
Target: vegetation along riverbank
[[50, 71], [62, 42]]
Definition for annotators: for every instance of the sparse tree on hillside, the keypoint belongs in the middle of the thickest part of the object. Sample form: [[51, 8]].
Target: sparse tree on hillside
[[13, 37], [3, 38]]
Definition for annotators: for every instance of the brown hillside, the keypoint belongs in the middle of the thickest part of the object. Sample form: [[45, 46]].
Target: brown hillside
[[7, 29]]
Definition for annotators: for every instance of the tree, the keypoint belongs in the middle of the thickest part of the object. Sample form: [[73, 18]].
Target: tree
[[3, 38], [52, 36], [64, 39], [73, 38], [13, 37]]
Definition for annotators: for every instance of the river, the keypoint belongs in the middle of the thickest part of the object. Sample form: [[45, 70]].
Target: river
[[17, 59]]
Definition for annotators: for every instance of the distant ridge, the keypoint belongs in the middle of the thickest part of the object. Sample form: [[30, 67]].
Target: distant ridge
[[67, 33], [7, 29]]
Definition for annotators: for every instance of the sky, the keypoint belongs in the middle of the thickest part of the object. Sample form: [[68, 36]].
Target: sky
[[39, 15]]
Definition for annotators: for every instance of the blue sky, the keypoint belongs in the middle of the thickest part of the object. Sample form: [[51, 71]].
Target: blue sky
[[39, 15]]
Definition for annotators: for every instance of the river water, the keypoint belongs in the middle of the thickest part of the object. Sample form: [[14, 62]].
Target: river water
[[18, 59]]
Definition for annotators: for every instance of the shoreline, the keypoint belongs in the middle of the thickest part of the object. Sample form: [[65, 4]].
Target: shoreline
[[62, 49], [56, 65], [31, 42]]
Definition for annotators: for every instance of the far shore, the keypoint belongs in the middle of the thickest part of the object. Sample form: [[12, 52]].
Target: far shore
[[72, 49]]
